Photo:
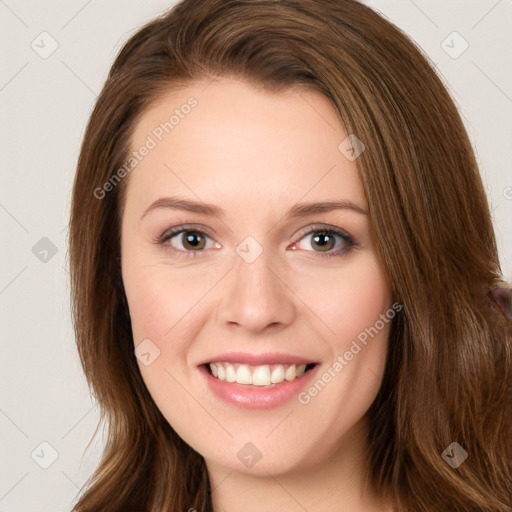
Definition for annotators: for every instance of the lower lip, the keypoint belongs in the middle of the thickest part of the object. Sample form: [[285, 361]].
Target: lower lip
[[257, 398]]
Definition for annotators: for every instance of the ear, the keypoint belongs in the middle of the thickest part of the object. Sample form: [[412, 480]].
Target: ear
[[502, 296]]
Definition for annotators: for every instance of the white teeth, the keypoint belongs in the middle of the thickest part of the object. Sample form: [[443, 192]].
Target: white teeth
[[261, 375], [290, 373], [243, 374], [230, 374], [277, 375]]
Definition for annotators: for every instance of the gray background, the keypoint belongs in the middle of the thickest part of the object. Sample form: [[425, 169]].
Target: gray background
[[44, 105]]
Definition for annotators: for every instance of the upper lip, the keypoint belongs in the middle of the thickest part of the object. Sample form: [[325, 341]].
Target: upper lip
[[258, 359]]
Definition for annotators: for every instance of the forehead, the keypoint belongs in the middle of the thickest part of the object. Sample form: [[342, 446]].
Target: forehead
[[227, 139]]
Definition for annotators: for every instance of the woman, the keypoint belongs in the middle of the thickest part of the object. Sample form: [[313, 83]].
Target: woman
[[282, 261]]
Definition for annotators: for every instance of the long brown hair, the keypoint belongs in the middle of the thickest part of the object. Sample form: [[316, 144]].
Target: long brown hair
[[448, 374]]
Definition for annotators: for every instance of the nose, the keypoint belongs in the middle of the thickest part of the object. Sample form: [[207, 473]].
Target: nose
[[257, 297]]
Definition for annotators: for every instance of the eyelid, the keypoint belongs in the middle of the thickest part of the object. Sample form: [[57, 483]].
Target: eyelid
[[179, 228], [325, 227], [170, 233]]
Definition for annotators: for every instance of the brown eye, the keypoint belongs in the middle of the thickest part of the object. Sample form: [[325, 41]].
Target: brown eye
[[186, 240], [324, 241], [192, 240]]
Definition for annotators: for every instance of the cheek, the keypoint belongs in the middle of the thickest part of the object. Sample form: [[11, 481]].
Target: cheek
[[366, 298], [163, 301], [167, 307], [355, 307], [164, 315], [151, 309], [156, 307], [347, 300]]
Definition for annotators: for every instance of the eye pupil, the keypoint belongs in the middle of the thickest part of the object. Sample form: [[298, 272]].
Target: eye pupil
[[321, 240], [190, 238]]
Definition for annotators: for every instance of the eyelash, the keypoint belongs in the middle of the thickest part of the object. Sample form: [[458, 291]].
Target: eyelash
[[347, 239]]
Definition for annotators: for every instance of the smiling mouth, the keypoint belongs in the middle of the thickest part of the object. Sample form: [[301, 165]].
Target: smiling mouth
[[265, 375]]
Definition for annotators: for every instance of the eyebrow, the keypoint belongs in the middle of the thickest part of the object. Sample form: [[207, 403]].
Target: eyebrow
[[298, 210]]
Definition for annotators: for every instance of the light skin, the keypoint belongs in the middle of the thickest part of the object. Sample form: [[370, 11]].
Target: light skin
[[256, 154]]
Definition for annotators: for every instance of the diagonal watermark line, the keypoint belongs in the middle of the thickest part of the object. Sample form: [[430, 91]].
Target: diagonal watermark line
[[192, 307], [300, 300], [14, 485], [13, 279], [280, 422], [492, 81], [286, 491], [486, 14], [221, 482], [303, 196], [14, 76], [76, 424], [13, 217], [208, 84], [298, 92], [376, 376], [165, 165], [13, 13], [70, 479], [79, 78], [14, 424], [199, 403], [75, 15], [424, 14]]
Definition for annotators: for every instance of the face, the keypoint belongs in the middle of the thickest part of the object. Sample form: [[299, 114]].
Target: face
[[226, 260]]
